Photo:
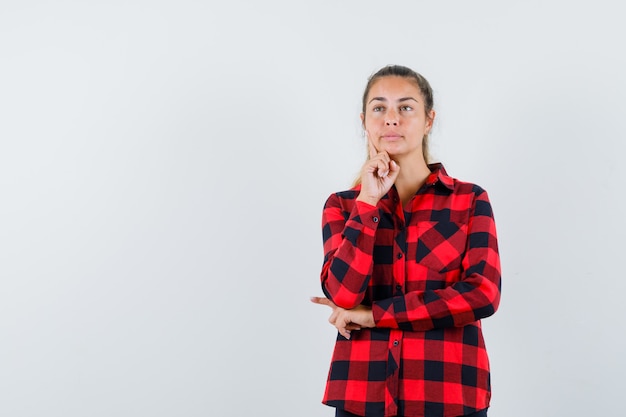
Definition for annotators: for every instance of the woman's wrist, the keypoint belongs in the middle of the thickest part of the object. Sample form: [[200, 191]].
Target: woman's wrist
[[369, 200]]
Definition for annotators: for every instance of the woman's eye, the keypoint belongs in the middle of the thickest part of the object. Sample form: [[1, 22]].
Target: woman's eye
[[406, 108], [378, 108]]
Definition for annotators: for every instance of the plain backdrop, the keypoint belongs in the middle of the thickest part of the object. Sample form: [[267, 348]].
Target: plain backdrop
[[163, 167]]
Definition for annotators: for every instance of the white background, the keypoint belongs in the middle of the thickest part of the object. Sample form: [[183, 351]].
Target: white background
[[163, 166]]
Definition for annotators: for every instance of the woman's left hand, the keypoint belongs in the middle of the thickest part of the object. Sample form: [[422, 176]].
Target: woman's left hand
[[347, 320]]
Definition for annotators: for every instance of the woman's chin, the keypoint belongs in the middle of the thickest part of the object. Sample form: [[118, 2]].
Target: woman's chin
[[391, 147], [396, 152]]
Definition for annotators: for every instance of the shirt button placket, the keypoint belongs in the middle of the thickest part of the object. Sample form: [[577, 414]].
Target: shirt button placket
[[393, 382]]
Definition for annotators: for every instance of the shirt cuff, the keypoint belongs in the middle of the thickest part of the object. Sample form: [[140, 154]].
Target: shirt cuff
[[369, 215], [384, 313]]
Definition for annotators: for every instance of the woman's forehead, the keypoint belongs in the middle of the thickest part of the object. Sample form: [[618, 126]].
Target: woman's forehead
[[393, 87]]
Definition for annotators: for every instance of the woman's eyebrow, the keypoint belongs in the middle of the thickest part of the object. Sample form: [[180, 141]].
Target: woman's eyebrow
[[377, 98], [399, 100]]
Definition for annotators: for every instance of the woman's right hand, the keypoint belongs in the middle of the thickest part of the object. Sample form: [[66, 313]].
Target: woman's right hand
[[377, 175], [346, 321]]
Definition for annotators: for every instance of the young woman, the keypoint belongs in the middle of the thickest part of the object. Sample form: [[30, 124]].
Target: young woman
[[411, 266]]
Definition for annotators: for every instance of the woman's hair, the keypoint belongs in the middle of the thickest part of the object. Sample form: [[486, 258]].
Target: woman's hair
[[409, 74]]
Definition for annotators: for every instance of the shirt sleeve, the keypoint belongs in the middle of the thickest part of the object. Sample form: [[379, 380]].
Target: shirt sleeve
[[476, 295], [348, 251]]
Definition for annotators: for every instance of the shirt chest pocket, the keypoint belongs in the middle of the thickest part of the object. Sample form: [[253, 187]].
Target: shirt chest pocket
[[440, 245]]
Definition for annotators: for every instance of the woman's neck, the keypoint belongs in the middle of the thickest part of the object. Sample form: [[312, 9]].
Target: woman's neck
[[412, 176]]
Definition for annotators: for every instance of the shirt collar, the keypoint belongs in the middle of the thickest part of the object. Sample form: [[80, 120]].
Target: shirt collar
[[438, 174]]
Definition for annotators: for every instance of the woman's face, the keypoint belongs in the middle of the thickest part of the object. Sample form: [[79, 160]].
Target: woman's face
[[395, 120]]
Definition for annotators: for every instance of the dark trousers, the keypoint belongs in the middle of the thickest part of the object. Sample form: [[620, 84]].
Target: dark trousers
[[341, 413]]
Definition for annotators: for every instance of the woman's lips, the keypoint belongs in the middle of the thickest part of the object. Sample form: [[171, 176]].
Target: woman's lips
[[391, 136]]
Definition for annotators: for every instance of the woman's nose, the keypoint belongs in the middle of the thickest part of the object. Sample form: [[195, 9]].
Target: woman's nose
[[391, 118]]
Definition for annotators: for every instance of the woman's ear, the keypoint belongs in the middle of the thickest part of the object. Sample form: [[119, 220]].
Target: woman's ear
[[362, 120], [430, 119]]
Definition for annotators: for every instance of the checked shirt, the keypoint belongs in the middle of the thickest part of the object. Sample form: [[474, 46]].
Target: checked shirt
[[430, 271]]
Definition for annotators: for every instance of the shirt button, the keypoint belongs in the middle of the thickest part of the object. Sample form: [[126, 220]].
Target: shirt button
[[375, 219], [396, 343], [398, 287], [399, 256]]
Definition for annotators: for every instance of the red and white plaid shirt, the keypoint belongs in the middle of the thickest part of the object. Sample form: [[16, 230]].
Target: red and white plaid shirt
[[430, 271]]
